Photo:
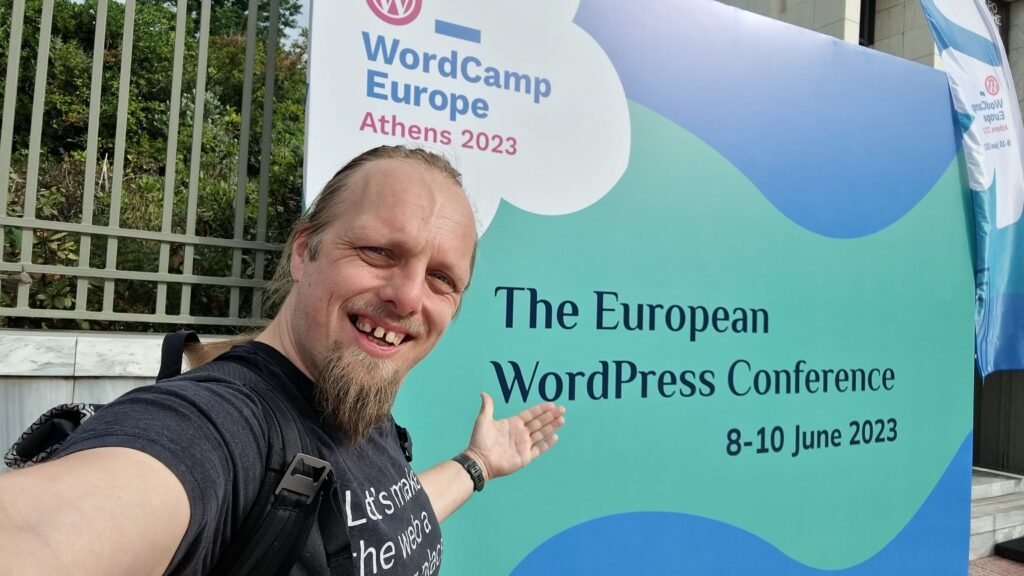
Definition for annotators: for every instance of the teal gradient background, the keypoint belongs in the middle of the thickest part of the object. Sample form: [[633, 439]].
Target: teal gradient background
[[684, 226]]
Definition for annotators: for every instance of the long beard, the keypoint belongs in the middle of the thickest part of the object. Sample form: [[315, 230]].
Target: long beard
[[355, 392]]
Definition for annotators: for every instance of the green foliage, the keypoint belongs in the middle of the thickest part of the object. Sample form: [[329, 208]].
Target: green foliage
[[64, 141], [230, 17]]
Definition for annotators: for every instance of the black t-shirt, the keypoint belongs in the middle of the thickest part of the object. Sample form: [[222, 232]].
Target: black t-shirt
[[210, 431]]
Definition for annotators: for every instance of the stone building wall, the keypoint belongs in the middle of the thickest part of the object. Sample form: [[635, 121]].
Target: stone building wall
[[900, 27], [837, 18]]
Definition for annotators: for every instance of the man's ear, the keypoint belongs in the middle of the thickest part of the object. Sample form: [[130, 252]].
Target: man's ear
[[300, 255]]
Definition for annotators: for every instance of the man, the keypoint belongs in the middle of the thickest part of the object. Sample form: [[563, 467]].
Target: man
[[160, 479]]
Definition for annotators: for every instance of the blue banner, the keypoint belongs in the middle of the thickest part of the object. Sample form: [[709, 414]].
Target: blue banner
[[692, 236], [986, 104]]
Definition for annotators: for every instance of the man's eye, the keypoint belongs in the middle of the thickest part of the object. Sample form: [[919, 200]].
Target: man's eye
[[443, 279], [376, 256]]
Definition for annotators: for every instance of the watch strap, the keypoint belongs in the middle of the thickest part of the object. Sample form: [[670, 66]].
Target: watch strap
[[472, 468]]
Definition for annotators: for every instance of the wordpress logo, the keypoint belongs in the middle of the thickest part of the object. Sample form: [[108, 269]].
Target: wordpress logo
[[992, 85], [397, 12]]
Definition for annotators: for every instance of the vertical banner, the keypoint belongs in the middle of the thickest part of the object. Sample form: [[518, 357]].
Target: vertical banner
[[734, 249], [986, 103]]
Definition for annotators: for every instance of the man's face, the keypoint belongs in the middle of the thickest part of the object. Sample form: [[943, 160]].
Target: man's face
[[389, 274]]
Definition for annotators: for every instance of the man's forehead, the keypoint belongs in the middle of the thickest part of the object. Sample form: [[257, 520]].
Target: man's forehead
[[407, 192], [394, 182]]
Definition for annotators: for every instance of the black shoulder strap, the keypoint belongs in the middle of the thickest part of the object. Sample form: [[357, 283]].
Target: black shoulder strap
[[404, 441], [285, 509], [171, 352], [279, 522]]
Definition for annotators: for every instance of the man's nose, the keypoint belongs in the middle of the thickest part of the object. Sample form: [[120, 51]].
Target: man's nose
[[404, 290]]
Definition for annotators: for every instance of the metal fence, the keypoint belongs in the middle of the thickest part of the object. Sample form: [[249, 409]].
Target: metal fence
[[24, 271]]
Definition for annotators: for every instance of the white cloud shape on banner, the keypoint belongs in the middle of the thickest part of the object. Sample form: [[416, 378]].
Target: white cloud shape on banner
[[570, 146]]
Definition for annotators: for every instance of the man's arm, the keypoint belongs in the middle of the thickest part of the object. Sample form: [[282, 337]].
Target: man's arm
[[104, 511], [500, 447], [448, 487]]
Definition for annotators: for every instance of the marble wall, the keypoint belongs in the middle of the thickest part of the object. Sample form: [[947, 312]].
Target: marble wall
[[40, 370]]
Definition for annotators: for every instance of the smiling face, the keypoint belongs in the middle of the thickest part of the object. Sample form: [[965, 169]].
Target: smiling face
[[385, 277]]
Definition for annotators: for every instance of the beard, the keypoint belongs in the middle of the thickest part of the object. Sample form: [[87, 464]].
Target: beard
[[355, 392]]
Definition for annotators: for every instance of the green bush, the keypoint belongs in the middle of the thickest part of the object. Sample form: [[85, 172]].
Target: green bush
[[62, 163]]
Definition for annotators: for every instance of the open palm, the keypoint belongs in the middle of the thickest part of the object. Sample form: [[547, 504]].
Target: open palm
[[503, 446]]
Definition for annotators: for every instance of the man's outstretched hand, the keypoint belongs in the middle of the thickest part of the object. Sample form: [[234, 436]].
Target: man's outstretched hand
[[503, 446]]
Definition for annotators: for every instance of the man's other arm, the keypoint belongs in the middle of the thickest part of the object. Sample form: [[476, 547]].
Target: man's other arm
[[104, 511], [500, 447]]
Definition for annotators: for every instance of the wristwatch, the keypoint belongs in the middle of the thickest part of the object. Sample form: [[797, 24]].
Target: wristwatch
[[473, 469]]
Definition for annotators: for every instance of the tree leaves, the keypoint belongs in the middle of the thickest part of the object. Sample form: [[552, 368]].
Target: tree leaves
[[62, 169]]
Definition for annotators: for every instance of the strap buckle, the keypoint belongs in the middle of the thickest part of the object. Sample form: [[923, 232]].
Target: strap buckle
[[301, 484], [404, 441]]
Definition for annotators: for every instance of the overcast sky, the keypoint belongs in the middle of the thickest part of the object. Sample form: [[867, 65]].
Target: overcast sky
[[303, 19]]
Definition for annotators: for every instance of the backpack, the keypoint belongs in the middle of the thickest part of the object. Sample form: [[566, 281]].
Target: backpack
[[288, 500]]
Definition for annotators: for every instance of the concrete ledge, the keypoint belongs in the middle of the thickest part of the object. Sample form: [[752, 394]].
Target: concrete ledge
[[81, 354], [112, 356], [997, 510], [40, 369], [29, 354], [990, 484]]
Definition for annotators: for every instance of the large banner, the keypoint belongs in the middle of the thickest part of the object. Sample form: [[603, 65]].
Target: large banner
[[986, 102], [736, 250]]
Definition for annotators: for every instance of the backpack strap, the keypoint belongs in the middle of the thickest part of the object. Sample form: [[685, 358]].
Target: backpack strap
[[286, 505], [404, 441], [171, 352], [294, 482]]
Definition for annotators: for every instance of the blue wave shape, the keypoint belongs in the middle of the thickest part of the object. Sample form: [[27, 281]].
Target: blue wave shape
[[843, 140], [934, 542]]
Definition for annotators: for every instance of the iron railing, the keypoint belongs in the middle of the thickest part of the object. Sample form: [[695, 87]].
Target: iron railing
[[24, 271]]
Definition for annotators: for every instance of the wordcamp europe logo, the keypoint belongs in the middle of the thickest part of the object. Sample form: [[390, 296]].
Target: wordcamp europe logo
[[992, 85], [397, 12]]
